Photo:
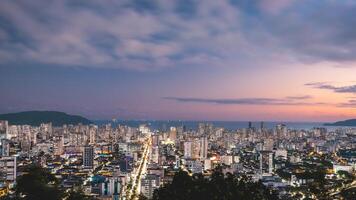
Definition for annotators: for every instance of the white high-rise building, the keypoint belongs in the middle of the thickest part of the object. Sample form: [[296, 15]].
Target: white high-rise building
[[207, 164], [155, 154], [111, 187], [149, 184], [173, 134], [270, 163], [92, 135], [8, 165], [187, 149], [13, 131]]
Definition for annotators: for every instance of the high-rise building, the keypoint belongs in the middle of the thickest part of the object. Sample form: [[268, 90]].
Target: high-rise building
[[268, 145], [173, 133], [149, 184], [4, 128], [126, 164], [281, 130], [60, 146], [196, 149], [92, 135], [8, 165], [207, 164], [13, 131], [88, 157], [5, 147], [266, 162], [46, 130], [111, 187], [201, 129], [144, 128], [270, 163], [155, 154], [203, 148], [187, 149], [155, 140]]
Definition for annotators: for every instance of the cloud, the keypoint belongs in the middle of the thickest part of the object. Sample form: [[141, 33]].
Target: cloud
[[274, 6], [121, 34], [321, 33], [145, 35], [341, 89], [349, 104], [244, 101], [300, 97]]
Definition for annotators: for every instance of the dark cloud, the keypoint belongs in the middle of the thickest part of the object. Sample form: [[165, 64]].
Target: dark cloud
[[337, 89], [316, 30], [118, 34], [243, 101]]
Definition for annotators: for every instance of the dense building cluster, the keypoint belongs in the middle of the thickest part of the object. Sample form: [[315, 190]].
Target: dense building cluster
[[124, 162]]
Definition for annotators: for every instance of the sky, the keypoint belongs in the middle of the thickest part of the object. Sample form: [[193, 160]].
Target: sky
[[270, 60]]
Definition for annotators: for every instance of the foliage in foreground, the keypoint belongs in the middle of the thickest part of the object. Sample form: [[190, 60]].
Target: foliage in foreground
[[217, 187], [38, 183]]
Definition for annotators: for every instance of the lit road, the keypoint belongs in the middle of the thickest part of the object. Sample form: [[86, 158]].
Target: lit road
[[345, 187], [132, 189]]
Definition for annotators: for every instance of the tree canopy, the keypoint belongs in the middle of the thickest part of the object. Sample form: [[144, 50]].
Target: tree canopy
[[38, 183], [217, 187]]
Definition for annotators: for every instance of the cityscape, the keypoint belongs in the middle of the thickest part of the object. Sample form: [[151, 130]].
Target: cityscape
[[177, 100], [123, 162]]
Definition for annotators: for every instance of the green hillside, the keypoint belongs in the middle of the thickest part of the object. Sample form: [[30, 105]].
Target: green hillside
[[35, 118]]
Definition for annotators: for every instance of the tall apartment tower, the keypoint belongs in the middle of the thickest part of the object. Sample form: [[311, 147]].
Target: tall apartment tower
[[173, 133], [5, 147], [88, 157], [8, 165], [149, 184], [188, 149], [92, 136], [266, 162], [203, 148], [4, 129], [249, 125]]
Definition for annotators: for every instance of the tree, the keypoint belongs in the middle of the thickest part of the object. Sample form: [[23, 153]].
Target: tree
[[38, 183], [142, 197], [217, 187], [349, 193], [344, 174], [78, 195]]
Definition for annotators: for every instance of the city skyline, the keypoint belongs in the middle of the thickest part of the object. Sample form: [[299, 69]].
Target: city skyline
[[193, 60]]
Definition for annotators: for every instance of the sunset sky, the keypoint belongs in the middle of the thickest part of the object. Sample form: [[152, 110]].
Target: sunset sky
[[271, 60]]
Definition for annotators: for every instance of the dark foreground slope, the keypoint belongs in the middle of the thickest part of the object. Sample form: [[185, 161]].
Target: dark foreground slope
[[35, 118], [216, 187]]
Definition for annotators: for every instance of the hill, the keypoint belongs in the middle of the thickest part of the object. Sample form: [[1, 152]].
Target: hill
[[349, 122], [35, 118]]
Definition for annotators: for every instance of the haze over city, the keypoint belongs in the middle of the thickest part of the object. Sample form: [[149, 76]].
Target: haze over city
[[279, 60]]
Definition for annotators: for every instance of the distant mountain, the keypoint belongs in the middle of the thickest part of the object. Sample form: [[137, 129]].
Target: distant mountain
[[349, 122], [35, 118]]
